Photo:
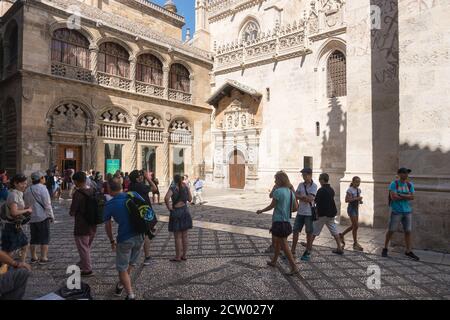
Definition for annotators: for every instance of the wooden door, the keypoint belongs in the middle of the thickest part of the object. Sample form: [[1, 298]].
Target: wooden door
[[69, 157], [237, 170]]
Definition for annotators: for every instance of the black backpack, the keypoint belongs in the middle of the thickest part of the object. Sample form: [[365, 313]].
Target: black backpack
[[84, 293], [142, 217], [95, 204]]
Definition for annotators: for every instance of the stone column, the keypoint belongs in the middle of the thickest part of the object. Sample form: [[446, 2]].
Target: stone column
[[133, 153], [133, 63], [165, 159], [372, 106], [93, 49], [166, 71], [94, 146]]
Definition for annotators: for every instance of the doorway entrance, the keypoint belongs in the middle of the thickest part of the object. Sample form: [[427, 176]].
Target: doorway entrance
[[237, 170], [69, 157]]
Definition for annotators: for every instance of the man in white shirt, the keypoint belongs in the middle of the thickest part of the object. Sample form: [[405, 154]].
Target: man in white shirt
[[198, 189]]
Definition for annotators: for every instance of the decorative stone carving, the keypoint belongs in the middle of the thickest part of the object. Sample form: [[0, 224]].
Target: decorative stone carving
[[114, 115], [237, 116], [70, 118], [150, 121]]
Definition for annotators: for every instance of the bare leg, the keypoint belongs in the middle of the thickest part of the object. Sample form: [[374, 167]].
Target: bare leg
[[288, 253], [355, 228], [408, 241], [309, 241], [23, 253], [185, 244], [388, 238], [294, 242], [178, 245], [147, 247], [33, 252], [347, 230], [276, 249], [125, 279], [44, 252], [338, 242]]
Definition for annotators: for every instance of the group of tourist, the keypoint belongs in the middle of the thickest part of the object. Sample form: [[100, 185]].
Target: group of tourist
[[315, 208]]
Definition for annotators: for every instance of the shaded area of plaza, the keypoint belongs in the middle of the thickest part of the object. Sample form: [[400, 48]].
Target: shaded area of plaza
[[232, 265]]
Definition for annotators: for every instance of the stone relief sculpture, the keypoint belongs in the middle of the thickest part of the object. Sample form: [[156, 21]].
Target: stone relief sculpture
[[69, 117]]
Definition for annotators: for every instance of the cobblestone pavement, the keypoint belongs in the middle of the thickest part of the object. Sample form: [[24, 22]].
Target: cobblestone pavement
[[232, 265]]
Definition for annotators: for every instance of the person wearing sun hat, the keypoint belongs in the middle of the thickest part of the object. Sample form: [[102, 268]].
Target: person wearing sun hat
[[401, 193]]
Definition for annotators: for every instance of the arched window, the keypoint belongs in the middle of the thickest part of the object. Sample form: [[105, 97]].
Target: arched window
[[11, 45], [336, 75], [70, 47], [113, 59], [250, 31], [179, 78], [8, 136], [149, 69]]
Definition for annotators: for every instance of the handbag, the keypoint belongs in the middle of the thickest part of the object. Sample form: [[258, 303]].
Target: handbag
[[313, 208], [293, 205]]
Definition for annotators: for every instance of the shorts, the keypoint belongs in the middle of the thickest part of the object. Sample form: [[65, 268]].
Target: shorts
[[404, 218], [127, 252], [352, 211], [329, 222], [281, 229], [40, 232], [301, 221], [12, 238]]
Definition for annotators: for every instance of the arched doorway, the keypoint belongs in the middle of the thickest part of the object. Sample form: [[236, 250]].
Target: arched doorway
[[8, 137], [237, 170]]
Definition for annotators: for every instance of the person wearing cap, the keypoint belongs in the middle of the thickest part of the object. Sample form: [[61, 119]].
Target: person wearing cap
[[401, 193], [138, 185], [306, 191], [37, 197]]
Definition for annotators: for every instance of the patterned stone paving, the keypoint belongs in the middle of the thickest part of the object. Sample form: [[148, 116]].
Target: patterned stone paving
[[225, 265]]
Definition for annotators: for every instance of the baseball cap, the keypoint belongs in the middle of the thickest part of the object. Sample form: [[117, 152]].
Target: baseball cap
[[404, 170], [36, 176], [306, 170]]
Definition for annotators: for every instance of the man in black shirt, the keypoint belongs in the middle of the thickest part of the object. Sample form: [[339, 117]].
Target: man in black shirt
[[326, 211], [138, 185]]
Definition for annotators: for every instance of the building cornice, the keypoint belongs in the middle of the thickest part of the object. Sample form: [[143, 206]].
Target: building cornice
[[123, 93], [156, 10], [115, 22]]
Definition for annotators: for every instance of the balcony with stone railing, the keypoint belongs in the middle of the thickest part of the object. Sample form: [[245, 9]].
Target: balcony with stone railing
[[67, 71], [116, 132], [149, 89], [184, 138], [149, 135], [278, 44], [181, 96], [113, 81]]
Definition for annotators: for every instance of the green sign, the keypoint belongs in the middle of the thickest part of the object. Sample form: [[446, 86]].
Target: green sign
[[112, 165]]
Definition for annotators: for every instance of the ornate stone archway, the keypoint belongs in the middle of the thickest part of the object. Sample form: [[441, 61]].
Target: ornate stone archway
[[72, 123]]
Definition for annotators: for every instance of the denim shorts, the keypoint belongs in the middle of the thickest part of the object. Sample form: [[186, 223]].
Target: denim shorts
[[127, 252], [352, 211], [404, 218], [300, 221]]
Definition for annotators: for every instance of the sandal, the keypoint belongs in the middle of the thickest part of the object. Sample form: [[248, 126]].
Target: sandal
[[270, 263], [175, 260], [293, 272]]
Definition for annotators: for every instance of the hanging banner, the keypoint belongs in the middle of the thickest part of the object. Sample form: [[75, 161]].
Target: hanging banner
[[112, 165]]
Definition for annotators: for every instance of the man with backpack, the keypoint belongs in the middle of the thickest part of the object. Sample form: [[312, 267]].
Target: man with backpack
[[129, 238], [84, 230], [401, 192]]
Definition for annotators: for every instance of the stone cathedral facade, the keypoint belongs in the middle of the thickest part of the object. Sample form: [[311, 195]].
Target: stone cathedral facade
[[347, 87]]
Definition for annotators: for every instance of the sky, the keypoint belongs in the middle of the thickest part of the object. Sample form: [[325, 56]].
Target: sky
[[186, 8]]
